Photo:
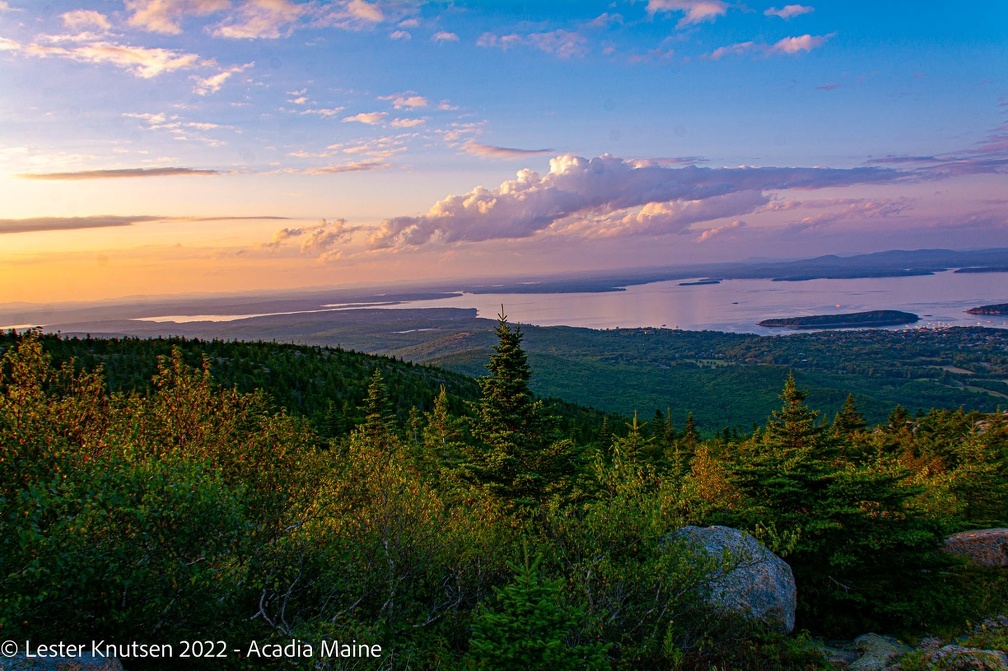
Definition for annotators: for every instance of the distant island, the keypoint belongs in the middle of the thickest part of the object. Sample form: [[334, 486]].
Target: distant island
[[844, 321], [983, 269], [999, 309], [699, 283]]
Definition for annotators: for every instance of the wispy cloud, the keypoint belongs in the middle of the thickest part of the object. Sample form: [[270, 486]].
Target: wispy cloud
[[213, 83], [119, 173], [579, 187], [165, 16], [261, 19], [359, 166], [788, 46], [408, 100], [490, 151], [695, 11], [560, 43], [400, 35], [143, 62], [84, 19], [444, 36], [369, 118], [37, 224], [789, 11], [794, 45], [408, 123]]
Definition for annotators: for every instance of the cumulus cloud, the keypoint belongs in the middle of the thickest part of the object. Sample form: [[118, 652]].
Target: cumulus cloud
[[444, 36], [86, 19], [261, 19], [695, 11], [490, 151], [165, 16], [789, 11], [580, 187], [369, 118], [317, 240], [213, 83], [718, 230], [119, 173]]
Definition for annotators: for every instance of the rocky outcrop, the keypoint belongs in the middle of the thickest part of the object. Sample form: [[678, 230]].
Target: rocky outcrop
[[955, 657], [876, 653], [754, 581], [987, 547]]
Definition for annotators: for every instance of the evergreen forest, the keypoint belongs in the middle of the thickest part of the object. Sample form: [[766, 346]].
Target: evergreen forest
[[161, 490]]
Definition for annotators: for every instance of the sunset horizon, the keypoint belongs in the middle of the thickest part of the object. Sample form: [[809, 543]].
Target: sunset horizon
[[161, 147]]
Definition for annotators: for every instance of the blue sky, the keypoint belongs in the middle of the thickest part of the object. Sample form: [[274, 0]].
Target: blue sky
[[166, 146]]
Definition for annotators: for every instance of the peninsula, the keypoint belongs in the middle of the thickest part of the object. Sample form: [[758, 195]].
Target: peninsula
[[998, 309], [850, 320]]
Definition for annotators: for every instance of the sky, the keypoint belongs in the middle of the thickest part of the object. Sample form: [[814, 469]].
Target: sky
[[161, 147]]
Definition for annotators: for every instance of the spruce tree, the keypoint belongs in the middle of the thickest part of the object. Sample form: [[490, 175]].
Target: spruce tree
[[517, 457], [529, 627], [848, 421]]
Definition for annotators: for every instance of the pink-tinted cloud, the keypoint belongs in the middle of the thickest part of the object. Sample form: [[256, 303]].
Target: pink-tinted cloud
[[408, 100], [444, 36], [695, 11], [316, 240], [789, 11], [785, 47], [368, 118], [400, 35], [165, 16], [37, 224], [119, 173], [577, 186], [794, 45], [213, 83], [143, 62], [85, 19], [706, 235], [261, 19], [407, 123], [365, 11]]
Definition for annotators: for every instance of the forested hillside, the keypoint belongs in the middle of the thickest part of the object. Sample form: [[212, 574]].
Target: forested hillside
[[732, 378], [467, 531]]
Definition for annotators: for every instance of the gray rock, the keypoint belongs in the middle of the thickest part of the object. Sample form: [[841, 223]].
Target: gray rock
[[954, 658], [754, 581], [877, 652], [987, 547]]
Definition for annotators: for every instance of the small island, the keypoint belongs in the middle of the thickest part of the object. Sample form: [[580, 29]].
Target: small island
[[999, 309], [850, 320], [700, 283]]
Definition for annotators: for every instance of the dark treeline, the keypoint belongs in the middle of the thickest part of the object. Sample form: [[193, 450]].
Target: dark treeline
[[152, 491]]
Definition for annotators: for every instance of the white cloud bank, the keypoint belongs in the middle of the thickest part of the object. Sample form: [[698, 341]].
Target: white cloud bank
[[593, 198]]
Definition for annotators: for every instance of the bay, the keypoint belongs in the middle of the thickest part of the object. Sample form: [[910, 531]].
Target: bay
[[737, 306]]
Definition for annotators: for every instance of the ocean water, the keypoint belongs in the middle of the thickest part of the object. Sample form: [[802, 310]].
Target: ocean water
[[738, 305]]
